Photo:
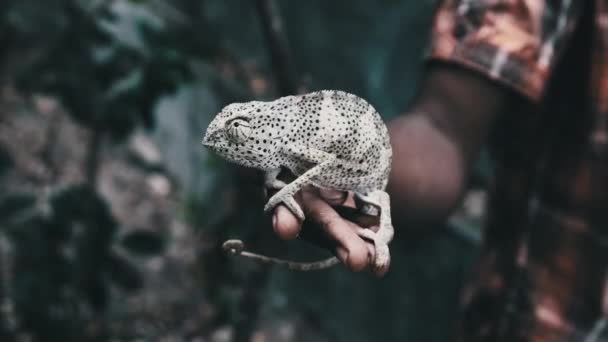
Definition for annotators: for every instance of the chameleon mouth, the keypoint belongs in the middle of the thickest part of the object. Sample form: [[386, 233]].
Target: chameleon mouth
[[246, 156], [207, 141]]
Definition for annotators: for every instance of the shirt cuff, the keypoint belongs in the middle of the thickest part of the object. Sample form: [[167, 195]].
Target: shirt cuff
[[497, 64]]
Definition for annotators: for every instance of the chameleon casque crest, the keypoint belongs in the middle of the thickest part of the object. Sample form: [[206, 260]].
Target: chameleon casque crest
[[329, 139]]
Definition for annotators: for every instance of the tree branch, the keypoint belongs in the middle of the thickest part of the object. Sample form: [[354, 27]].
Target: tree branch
[[280, 54], [288, 84]]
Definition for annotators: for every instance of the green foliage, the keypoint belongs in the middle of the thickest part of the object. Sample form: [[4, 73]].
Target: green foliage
[[123, 273], [13, 204], [105, 84], [66, 252], [66, 262], [6, 161], [143, 243]]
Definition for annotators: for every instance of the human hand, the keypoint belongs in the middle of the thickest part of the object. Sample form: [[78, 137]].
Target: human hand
[[434, 144], [331, 222]]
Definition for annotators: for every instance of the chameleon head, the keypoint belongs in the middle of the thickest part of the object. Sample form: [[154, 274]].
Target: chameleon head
[[238, 134]]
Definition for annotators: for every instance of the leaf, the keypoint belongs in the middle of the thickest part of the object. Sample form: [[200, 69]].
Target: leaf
[[13, 204], [143, 243], [81, 202], [6, 161], [124, 274], [95, 291], [125, 85]]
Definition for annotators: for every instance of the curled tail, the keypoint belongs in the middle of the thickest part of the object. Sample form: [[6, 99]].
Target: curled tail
[[236, 247]]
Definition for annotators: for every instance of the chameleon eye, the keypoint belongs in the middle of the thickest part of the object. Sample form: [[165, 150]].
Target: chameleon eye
[[238, 130]]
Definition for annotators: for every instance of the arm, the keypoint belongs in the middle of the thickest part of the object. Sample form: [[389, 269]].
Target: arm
[[493, 53], [434, 144], [499, 56], [436, 141]]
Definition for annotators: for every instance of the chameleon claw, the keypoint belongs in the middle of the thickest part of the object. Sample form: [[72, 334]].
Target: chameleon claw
[[381, 260], [291, 204]]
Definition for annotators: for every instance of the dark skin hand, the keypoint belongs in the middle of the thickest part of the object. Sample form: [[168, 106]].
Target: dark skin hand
[[434, 143]]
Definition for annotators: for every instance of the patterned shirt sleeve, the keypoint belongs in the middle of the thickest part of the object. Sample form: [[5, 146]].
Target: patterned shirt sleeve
[[515, 42]]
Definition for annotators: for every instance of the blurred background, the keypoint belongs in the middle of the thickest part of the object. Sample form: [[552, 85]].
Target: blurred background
[[112, 213]]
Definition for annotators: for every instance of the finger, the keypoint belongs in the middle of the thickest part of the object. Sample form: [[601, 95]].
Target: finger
[[311, 232], [355, 215], [333, 197], [343, 202], [351, 249], [285, 224]]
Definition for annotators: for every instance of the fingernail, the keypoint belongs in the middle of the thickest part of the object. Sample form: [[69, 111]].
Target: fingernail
[[342, 254]]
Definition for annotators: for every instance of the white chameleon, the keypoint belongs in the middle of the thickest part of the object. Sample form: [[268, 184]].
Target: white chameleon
[[329, 139]]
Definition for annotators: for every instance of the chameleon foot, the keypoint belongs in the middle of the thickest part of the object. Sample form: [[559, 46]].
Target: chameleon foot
[[382, 259], [381, 254], [289, 202], [367, 204], [271, 182], [294, 207]]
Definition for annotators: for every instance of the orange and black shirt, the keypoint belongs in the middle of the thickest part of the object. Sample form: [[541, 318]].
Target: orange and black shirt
[[542, 273]]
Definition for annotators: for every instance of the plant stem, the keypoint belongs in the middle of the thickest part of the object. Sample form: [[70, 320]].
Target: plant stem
[[280, 54]]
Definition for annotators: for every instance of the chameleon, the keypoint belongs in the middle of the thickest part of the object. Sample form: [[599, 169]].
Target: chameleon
[[329, 139]]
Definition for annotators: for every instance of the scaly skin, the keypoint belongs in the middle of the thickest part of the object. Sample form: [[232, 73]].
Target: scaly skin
[[236, 247], [328, 139]]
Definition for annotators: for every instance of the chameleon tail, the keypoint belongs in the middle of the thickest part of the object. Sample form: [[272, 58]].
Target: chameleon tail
[[236, 247]]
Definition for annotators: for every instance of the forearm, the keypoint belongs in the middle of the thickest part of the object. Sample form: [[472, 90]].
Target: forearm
[[437, 140], [428, 172]]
